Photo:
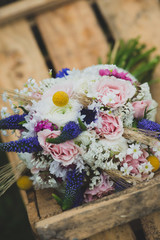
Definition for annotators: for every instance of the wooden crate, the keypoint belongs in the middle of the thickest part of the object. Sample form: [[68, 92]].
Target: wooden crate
[[41, 34]]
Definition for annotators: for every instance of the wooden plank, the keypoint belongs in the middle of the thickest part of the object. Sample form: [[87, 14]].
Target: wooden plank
[[84, 221], [46, 203], [132, 18], [151, 225], [20, 59], [71, 41], [24, 8], [123, 232]]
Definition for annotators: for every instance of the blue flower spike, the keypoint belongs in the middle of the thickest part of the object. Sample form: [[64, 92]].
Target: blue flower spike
[[74, 189], [70, 131], [12, 122], [23, 145]]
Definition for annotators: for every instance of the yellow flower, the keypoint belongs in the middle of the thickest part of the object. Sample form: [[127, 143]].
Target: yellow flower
[[154, 161], [24, 183], [60, 98]]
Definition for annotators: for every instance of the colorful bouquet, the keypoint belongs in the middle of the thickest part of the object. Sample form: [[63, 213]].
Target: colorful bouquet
[[86, 133]]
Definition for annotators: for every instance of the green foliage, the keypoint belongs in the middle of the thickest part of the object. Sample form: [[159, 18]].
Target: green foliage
[[135, 58]]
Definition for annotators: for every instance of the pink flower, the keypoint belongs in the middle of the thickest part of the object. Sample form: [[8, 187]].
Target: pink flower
[[111, 127], [99, 191], [139, 108], [45, 124], [136, 162], [114, 92], [115, 73], [64, 153]]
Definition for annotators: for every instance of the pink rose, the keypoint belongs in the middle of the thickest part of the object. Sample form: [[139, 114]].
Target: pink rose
[[139, 108], [114, 92], [101, 190], [64, 153], [111, 127], [136, 162]]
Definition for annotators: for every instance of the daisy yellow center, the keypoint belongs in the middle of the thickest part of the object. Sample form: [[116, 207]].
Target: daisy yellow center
[[24, 183], [60, 98], [154, 161]]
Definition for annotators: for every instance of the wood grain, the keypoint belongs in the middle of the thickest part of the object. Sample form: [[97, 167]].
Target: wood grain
[[20, 59], [24, 8], [46, 204], [123, 232], [151, 226], [72, 36], [117, 209], [132, 18]]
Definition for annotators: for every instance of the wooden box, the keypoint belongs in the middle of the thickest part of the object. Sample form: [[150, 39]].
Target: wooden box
[[42, 34]]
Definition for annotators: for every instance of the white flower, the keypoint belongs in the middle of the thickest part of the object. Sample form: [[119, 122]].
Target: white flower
[[57, 170], [4, 113], [125, 169], [5, 97], [145, 167], [135, 150]]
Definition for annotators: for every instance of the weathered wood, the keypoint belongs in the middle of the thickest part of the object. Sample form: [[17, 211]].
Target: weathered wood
[[132, 18], [104, 214], [20, 59], [123, 232], [46, 203], [24, 8], [72, 36], [151, 225]]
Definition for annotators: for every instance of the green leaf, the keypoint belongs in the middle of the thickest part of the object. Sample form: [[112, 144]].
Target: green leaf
[[82, 125], [58, 199]]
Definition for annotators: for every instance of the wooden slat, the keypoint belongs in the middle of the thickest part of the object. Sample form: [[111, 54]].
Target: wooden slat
[[20, 58], [72, 36], [46, 204], [132, 18], [123, 232], [24, 8], [104, 214], [151, 225]]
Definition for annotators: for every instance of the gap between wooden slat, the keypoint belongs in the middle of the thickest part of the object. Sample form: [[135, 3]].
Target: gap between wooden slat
[[20, 59], [129, 19], [72, 36]]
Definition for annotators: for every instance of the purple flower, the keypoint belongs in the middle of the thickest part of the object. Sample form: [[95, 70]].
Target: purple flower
[[45, 124]]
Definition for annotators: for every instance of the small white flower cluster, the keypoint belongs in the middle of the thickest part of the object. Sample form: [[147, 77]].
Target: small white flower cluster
[[99, 103]]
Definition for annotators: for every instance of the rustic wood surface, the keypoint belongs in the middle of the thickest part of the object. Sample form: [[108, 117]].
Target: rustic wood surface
[[104, 214], [20, 59], [132, 18], [151, 226], [72, 36], [123, 232], [24, 8]]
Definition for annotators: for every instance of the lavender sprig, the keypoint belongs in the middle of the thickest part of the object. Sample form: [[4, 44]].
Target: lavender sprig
[[12, 122], [29, 145], [74, 189], [146, 124], [70, 131]]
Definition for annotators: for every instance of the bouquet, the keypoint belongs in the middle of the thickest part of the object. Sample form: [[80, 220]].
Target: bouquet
[[85, 133]]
